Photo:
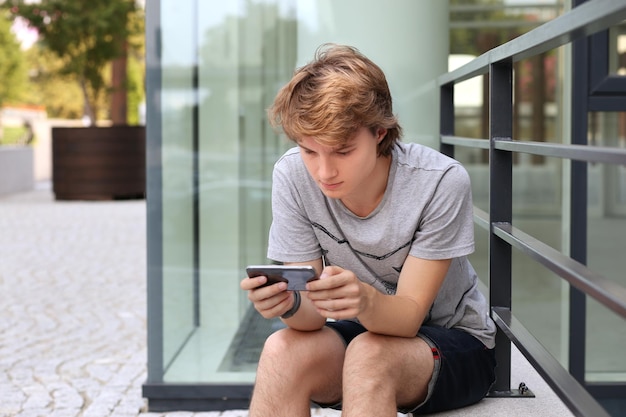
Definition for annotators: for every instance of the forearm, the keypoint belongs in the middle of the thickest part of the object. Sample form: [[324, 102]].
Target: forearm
[[393, 315], [403, 314], [306, 318]]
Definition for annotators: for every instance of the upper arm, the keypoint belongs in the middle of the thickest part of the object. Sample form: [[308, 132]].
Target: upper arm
[[420, 280], [291, 235]]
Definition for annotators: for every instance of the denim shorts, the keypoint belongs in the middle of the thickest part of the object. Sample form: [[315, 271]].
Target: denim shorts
[[464, 368]]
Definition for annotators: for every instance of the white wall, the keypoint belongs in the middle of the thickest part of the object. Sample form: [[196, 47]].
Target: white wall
[[16, 169], [409, 40]]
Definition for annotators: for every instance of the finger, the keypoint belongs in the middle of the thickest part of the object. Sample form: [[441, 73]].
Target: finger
[[252, 283], [326, 289], [330, 305], [274, 306], [332, 313], [331, 270], [265, 292], [326, 282]]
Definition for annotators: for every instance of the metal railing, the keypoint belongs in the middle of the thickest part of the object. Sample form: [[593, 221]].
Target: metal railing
[[585, 27]]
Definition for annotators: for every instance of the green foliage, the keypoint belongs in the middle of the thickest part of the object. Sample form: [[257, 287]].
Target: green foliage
[[14, 135], [135, 89], [13, 76], [85, 35], [60, 94], [136, 67]]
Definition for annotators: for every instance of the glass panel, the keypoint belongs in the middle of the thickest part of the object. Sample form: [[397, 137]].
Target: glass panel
[[539, 297], [228, 59], [476, 27], [480, 257], [538, 294], [537, 189], [606, 333], [606, 338], [177, 153]]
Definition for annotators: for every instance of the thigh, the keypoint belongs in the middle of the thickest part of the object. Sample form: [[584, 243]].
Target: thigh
[[391, 368]]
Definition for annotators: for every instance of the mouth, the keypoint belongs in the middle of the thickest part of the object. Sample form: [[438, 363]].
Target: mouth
[[330, 187]]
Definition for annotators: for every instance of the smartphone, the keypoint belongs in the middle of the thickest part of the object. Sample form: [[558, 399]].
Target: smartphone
[[296, 277]]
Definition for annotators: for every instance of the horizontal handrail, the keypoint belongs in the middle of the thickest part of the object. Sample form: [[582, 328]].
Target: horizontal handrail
[[607, 292], [600, 154], [466, 142], [481, 218], [583, 20], [579, 401]]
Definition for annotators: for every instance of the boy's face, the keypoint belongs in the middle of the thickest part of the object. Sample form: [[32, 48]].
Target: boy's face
[[346, 170]]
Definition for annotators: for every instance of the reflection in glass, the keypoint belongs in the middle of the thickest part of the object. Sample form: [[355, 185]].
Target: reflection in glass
[[539, 295], [606, 241], [617, 46]]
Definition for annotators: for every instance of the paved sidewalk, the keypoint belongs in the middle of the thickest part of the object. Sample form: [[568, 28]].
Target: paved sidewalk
[[73, 309], [72, 332], [73, 316]]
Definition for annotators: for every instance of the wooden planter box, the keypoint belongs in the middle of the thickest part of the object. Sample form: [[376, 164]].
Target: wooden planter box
[[99, 163]]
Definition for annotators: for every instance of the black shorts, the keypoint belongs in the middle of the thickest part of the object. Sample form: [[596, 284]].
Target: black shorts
[[464, 368]]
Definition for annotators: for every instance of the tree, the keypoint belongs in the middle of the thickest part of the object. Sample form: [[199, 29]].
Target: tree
[[12, 73], [51, 89], [86, 36]]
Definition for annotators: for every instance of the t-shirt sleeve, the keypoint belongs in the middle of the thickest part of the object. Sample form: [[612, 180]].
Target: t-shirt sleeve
[[446, 228], [291, 236]]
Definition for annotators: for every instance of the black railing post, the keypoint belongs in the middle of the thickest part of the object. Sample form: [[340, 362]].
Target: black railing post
[[500, 207], [578, 207], [446, 117]]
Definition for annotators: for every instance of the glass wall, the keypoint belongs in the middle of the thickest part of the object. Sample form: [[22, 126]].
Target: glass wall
[[216, 67], [219, 66], [606, 331]]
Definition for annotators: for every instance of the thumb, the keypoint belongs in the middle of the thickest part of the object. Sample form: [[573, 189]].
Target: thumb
[[330, 270]]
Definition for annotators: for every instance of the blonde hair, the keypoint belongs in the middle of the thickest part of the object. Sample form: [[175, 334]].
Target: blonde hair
[[334, 96]]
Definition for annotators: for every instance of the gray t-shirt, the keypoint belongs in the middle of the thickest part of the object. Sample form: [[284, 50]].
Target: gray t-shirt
[[426, 212]]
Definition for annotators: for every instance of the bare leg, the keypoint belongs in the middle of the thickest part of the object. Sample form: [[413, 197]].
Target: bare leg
[[384, 372], [294, 368]]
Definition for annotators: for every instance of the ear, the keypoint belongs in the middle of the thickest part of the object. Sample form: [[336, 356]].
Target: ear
[[381, 133]]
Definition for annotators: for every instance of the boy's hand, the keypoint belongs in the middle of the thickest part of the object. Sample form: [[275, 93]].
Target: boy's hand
[[270, 301], [339, 294]]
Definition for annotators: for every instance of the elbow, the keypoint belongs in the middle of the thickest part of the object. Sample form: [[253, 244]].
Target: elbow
[[411, 332], [303, 327]]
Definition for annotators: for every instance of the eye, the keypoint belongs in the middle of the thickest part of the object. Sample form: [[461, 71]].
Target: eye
[[344, 153]]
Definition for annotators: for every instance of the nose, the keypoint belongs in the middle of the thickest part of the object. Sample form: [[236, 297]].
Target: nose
[[326, 169]]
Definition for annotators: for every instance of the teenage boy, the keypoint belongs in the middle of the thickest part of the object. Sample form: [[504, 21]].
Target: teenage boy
[[396, 322]]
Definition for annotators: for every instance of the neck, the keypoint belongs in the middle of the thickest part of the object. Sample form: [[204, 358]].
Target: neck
[[363, 201]]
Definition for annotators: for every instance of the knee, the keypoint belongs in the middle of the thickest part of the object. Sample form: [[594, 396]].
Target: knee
[[366, 356], [276, 346], [366, 348], [287, 348]]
